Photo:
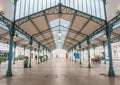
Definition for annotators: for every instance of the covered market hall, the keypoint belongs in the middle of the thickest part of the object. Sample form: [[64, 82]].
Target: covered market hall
[[59, 42]]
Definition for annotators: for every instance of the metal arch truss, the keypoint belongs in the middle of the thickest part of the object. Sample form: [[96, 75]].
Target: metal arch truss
[[111, 23], [114, 20], [42, 41], [4, 34], [7, 22], [60, 9], [54, 10], [46, 19], [71, 30]]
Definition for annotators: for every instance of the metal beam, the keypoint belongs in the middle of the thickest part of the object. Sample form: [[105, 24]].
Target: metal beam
[[37, 28], [74, 31], [111, 22], [45, 40], [51, 38], [69, 42], [114, 20], [6, 21], [49, 43], [18, 41], [71, 30], [43, 32], [73, 19], [116, 34], [45, 16], [71, 39], [67, 8], [69, 11], [4, 34], [84, 25], [99, 40]]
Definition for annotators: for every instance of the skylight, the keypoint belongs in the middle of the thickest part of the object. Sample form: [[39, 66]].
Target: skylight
[[59, 31], [28, 7]]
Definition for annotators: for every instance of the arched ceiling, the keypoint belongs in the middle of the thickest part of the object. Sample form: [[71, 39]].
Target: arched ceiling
[[75, 26]]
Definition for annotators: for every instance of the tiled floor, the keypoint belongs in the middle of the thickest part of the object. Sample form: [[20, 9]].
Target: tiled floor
[[58, 72]]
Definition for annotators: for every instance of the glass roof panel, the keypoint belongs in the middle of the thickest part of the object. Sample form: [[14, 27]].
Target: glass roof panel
[[59, 32], [28, 7], [54, 23], [65, 23]]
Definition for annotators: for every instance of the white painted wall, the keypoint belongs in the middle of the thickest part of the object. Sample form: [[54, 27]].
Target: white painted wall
[[112, 7], [7, 7]]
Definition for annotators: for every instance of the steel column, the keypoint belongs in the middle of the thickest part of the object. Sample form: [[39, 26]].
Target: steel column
[[31, 41], [80, 58], [9, 69], [14, 52], [83, 54], [11, 33], [74, 56], [43, 51], [46, 54], [104, 53], [43, 54], [88, 42], [38, 53], [35, 51], [80, 55], [24, 50], [108, 34], [71, 55], [94, 49]]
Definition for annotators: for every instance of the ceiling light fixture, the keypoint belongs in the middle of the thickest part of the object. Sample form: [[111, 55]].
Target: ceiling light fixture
[[26, 42], [59, 40], [104, 36], [59, 34], [15, 36]]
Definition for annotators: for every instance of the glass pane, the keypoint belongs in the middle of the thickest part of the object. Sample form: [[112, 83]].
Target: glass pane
[[92, 7], [59, 28]]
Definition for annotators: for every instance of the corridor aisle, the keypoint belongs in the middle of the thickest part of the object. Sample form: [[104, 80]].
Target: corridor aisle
[[56, 71]]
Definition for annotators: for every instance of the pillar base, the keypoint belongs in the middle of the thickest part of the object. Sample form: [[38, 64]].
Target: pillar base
[[75, 61], [38, 62], [111, 73], [13, 62], [9, 73], [80, 63], [30, 66], [104, 62], [89, 66]]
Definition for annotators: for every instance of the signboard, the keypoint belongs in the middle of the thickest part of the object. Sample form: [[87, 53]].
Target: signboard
[[77, 55]]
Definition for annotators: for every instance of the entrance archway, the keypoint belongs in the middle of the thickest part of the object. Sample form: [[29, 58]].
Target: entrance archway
[[59, 53]]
